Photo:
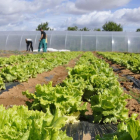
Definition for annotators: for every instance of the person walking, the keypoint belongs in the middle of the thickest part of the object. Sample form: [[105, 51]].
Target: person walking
[[29, 44], [42, 41]]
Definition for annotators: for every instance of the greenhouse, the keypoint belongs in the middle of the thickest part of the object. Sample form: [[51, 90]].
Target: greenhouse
[[74, 40]]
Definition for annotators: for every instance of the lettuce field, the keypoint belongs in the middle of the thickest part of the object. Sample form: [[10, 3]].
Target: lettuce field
[[60, 89]]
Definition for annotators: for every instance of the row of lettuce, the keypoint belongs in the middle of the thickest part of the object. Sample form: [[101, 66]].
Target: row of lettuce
[[17, 59], [30, 65], [129, 60], [92, 80]]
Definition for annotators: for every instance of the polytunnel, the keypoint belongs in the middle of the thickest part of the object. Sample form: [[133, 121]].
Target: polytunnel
[[74, 40]]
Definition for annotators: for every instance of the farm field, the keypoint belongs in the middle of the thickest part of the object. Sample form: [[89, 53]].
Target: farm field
[[86, 92]]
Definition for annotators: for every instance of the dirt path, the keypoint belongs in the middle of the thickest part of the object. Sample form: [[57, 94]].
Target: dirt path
[[128, 86]]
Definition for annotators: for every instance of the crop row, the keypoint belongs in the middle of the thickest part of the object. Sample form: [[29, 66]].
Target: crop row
[[17, 59], [129, 60], [23, 71]]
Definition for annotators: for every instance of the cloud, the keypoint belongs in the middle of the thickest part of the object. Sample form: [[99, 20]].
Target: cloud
[[91, 5], [96, 19], [93, 19], [80, 7], [131, 16], [22, 6], [17, 12], [69, 8]]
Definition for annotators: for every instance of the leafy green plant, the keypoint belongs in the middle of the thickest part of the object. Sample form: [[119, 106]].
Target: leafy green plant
[[129, 60], [18, 123], [2, 85], [67, 99]]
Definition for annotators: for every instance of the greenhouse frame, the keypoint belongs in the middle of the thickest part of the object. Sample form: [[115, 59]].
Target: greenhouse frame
[[74, 40]]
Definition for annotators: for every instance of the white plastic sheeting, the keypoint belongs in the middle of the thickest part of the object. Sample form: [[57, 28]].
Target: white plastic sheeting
[[73, 40], [52, 50]]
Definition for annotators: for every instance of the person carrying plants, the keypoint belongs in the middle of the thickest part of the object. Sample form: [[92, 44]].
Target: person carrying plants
[[29, 44], [42, 42]]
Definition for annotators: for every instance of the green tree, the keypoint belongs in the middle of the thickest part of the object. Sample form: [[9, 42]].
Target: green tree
[[44, 26], [84, 29], [97, 29], [138, 30], [75, 28], [112, 26]]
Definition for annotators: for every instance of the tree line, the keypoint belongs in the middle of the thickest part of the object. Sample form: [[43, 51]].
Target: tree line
[[108, 26]]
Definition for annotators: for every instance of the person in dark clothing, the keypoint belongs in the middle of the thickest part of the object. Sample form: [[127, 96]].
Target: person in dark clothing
[[29, 44], [42, 42]]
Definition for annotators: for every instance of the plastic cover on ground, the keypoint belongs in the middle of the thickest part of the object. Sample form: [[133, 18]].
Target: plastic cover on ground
[[83, 128]]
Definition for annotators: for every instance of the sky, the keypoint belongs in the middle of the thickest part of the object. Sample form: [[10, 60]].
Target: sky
[[26, 15]]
